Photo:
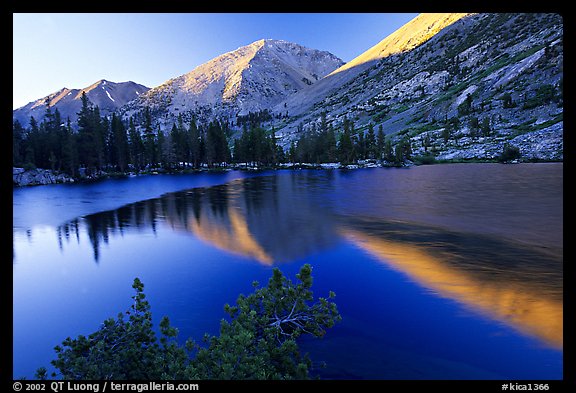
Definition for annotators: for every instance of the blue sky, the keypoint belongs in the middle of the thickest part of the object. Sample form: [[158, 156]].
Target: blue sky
[[52, 51]]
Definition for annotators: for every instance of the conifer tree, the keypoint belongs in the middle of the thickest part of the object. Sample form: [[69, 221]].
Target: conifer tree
[[380, 142], [87, 138], [149, 140], [370, 141], [18, 142], [346, 147], [195, 142], [258, 341], [119, 143], [136, 146], [69, 151]]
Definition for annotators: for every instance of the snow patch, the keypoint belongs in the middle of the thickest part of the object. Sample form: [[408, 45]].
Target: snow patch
[[109, 96]]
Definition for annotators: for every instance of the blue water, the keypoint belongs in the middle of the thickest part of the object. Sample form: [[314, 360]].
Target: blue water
[[54, 204], [468, 305]]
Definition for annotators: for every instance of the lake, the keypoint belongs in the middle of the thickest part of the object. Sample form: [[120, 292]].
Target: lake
[[440, 272]]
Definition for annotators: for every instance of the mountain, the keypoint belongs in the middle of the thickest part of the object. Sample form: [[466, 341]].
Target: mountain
[[444, 87], [252, 78], [108, 96], [269, 233], [407, 37], [458, 86], [411, 35]]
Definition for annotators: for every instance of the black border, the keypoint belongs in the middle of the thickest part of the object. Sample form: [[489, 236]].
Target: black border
[[170, 6]]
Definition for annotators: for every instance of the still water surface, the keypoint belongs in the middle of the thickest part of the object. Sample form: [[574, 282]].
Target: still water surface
[[440, 272]]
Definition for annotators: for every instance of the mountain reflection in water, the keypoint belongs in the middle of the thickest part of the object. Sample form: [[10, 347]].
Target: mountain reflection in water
[[506, 281], [268, 219], [277, 219]]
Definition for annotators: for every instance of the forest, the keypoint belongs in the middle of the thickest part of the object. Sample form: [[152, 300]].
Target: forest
[[115, 145]]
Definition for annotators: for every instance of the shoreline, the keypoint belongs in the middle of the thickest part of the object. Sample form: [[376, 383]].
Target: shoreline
[[39, 176]]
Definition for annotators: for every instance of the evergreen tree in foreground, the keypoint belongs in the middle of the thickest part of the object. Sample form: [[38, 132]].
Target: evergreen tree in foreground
[[258, 341]]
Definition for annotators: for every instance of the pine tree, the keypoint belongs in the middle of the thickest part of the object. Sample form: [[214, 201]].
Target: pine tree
[[52, 138], [292, 153], [258, 340], [402, 151], [360, 146], [163, 149], [217, 150], [380, 142], [346, 147], [31, 142], [149, 140], [370, 141], [388, 152], [273, 147], [87, 139], [69, 151], [119, 143], [331, 149], [180, 142], [195, 142], [177, 143], [18, 143], [241, 146], [61, 138], [136, 146], [102, 130]]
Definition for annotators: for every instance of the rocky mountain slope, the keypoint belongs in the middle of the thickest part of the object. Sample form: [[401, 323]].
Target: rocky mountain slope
[[109, 96], [460, 92], [252, 78], [454, 86], [409, 36]]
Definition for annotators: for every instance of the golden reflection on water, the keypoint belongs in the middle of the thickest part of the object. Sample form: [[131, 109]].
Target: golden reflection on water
[[536, 310], [506, 282], [271, 227], [232, 235], [273, 220]]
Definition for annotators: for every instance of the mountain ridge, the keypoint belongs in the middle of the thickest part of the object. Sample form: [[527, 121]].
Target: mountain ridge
[[251, 78], [109, 96], [430, 84], [412, 34], [409, 36], [502, 70]]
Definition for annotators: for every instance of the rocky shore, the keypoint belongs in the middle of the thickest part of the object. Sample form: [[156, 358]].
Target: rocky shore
[[33, 177]]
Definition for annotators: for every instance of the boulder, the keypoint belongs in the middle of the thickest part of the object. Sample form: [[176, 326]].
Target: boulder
[[33, 177]]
